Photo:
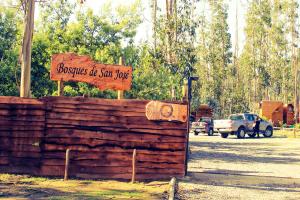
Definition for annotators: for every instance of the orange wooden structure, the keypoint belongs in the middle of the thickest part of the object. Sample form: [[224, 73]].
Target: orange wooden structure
[[272, 110], [203, 111], [288, 114], [101, 135]]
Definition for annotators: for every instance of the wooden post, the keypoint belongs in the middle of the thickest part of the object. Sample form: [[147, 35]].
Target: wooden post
[[60, 88], [133, 166], [121, 92], [173, 96], [172, 189], [67, 164], [26, 49], [185, 91]]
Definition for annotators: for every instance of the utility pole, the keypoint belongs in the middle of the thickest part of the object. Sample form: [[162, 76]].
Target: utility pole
[[26, 48]]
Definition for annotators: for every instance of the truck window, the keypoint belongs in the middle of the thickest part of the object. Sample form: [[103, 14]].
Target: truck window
[[236, 117], [205, 119], [249, 117]]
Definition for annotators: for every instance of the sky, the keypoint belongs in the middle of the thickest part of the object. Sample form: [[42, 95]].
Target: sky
[[145, 29]]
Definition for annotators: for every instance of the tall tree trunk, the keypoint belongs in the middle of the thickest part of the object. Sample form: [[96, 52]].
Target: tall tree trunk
[[154, 16], [26, 49], [294, 59]]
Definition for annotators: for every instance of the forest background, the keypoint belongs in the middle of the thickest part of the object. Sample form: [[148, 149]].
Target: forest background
[[185, 41]]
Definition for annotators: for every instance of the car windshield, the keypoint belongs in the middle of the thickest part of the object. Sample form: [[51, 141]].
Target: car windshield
[[236, 117], [204, 120]]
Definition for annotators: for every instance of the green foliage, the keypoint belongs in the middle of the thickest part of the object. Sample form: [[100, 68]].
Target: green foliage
[[40, 77], [9, 71], [187, 43]]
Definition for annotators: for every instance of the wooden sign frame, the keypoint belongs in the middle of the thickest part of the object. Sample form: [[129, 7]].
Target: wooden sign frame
[[72, 67], [161, 111]]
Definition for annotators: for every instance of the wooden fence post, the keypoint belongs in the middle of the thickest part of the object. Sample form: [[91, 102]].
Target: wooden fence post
[[67, 164], [121, 92], [133, 166], [60, 88]]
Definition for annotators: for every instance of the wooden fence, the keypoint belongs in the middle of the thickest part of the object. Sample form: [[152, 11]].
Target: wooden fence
[[100, 133]]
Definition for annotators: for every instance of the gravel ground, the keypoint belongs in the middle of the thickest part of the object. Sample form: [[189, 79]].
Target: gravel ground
[[231, 168]]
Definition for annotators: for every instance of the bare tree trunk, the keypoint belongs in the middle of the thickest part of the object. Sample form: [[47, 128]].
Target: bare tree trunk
[[236, 46], [169, 12], [154, 14], [26, 49], [294, 60]]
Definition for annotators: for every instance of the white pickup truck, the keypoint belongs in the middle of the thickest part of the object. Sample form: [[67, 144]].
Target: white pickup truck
[[242, 124]]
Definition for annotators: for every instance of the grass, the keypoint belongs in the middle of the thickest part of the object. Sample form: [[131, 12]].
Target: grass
[[288, 133], [27, 187]]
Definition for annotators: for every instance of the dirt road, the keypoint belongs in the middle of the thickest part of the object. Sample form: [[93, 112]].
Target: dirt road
[[264, 168]]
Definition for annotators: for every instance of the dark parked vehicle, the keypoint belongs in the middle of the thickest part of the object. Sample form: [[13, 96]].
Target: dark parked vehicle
[[203, 125]]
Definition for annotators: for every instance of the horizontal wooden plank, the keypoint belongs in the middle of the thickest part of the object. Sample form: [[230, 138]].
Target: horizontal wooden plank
[[95, 101], [115, 153], [82, 123], [56, 147], [20, 154], [19, 100], [89, 107], [21, 106], [21, 123], [21, 112], [93, 120], [20, 161], [94, 143], [19, 147], [167, 132], [21, 134], [82, 100], [118, 136], [16, 141], [103, 112], [14, 127], [32, 170], [23, 118]]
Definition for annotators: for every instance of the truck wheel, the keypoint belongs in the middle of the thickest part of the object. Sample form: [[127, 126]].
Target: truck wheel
[[241, 133], [210, 132], [224, 135], [268, 132]]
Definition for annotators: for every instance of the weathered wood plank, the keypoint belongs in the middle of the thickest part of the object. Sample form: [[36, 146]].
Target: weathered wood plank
[[27, 118], [15, 127], [21, 112], [128, 136], [56, 147], [19, 147], [20, 154], [19, 100], [110, 119], [21, 134], [94, 143], [103, 112], [32, 124], [124, 155], [156, 125]]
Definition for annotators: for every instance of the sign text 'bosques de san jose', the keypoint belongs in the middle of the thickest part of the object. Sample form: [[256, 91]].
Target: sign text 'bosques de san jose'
[[72, 67]]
